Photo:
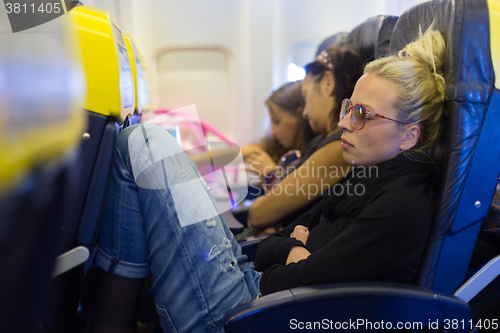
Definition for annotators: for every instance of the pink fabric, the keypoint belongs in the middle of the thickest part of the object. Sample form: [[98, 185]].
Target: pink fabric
[[192, 137], [181, 117]]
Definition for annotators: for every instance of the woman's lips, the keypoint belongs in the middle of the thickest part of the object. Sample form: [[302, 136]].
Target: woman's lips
[[346, 144]]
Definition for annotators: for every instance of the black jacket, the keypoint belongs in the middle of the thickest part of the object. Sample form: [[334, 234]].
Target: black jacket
[[378, 235]]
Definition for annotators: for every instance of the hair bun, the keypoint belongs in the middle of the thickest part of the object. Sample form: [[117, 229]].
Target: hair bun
[[430, 51]]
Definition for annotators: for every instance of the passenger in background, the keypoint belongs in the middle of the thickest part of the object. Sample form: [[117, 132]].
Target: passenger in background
[[376, 229], [289, 131], [328, 80]]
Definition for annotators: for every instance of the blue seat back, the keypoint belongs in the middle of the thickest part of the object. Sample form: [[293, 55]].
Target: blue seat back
[[335, 39], [470, 166], [40, 127], [372, 37], [110, 95]]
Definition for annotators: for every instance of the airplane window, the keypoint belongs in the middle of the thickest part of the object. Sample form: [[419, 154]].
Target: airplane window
[[200, 76], [295, 72], [298, 57]]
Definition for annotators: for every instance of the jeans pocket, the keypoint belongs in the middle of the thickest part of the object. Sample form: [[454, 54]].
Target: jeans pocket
[[168, 326], [252, 280]]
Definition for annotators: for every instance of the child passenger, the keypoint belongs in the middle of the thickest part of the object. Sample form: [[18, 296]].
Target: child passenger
[[369, 226], [289, 131]]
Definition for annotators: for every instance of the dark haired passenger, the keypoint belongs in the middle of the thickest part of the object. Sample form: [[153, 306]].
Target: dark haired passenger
[[328, 81], [392, 121], [289, 131]]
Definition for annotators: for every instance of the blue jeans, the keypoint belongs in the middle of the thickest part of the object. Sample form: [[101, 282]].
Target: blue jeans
[[161, 217]]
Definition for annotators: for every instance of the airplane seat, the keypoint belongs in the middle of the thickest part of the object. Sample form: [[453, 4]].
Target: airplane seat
[[372, 37], [141, 81], [41, 125], [142, 95], [110, 97], [467, 177], [335, 39], [490, 229], [471, 99]]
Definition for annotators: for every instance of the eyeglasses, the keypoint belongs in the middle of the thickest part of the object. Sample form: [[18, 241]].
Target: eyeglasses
[[359, 114]]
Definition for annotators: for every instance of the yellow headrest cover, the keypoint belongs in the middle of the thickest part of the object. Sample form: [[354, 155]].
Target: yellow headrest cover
[[146, 94], [110, 86], [133, 65], [147, 82], [494, 9], [41, 90], [142, 95]]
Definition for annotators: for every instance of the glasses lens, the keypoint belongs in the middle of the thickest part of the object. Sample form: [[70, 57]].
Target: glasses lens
[[344, 108], [358, 116]]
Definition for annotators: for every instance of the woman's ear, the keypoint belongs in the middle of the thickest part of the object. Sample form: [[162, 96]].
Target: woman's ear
[[298, 111], [412, 135], [329, 82]]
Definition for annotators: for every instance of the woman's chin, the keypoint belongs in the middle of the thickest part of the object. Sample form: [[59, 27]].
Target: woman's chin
[[314, 128], [349, 159]]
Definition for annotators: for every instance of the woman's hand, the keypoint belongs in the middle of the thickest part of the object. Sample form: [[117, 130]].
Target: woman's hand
[[300, 233], [297, 253], [260, 162]]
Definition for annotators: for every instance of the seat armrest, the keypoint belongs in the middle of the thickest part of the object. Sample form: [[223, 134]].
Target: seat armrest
[[359, 306], [241, 214], [479, 280], [70, 260]]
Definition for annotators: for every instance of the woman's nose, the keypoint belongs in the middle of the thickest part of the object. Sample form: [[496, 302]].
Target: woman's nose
[[345, 123], [304, 114], [273, 130]]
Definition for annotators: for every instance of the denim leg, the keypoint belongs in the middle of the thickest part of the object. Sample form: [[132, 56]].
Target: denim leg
[[162, 217]]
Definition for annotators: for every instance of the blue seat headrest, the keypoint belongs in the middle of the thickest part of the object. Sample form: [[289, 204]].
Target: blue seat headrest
[[337, 39], [468, 64], [372, 37]]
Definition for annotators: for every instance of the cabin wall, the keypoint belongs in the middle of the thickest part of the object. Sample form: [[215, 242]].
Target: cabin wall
[[250, 41]]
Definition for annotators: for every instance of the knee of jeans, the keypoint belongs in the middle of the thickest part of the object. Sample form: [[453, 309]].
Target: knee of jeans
[[122, 138]]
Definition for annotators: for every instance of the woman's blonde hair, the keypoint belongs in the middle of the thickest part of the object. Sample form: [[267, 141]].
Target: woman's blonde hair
[[418, 71]]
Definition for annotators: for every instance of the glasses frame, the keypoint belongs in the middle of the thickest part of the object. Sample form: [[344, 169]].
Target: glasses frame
[[368, 112]]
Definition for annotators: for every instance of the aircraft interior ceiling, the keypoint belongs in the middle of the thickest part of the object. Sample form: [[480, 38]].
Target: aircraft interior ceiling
[[227, 56]]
